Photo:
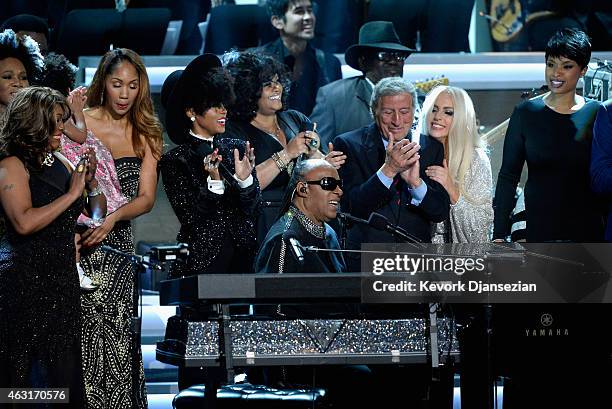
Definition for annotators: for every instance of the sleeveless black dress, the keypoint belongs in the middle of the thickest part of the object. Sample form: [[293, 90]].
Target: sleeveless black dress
[[39, 297], [112, 358]]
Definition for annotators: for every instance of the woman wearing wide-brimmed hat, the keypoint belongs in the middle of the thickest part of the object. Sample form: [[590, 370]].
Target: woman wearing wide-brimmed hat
[[211, 184]]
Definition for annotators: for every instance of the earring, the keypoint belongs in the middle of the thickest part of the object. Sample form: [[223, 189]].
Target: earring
[[192, 119]]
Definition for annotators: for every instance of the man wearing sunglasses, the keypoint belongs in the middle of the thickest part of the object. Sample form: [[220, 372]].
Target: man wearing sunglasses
[[384, 170], [313, 197], [344, 105]]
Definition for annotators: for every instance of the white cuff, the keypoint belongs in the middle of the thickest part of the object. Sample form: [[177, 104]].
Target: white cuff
[[215, 186], [244, 183]]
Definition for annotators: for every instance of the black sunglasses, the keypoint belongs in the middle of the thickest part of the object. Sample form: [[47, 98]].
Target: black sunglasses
[[326, 183], [388, 56]]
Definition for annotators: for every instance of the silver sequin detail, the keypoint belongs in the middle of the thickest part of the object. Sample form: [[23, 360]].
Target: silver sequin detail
[[310, 226]]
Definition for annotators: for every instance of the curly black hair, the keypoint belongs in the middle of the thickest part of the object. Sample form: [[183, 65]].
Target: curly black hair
[[215, 89], [25, 50], [569, 43], [58, 73], [28, 122], [250, 72]]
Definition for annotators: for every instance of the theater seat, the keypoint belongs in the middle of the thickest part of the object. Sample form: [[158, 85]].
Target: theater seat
[[245, 395]]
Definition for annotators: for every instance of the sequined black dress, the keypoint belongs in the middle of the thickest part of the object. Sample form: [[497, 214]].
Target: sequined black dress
[[112, 359], [219, 228], [39, 297]]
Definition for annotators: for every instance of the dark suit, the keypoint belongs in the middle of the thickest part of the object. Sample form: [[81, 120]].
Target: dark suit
[[342, 106], [601, 157], [364, 193]]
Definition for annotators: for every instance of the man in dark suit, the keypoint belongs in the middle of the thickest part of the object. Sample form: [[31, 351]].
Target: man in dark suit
[[311, 67], [601, 157], [385, 171], [344, 105]]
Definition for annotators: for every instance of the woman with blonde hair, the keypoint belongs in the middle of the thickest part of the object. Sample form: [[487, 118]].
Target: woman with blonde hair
[[120, 114], [449, 117]]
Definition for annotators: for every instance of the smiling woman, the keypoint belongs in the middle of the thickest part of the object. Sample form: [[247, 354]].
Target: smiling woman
[[20, 64], [553, 136], [41, 198], [279, 136]]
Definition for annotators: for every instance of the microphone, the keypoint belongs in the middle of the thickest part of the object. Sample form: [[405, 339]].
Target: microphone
[[145, 260], [295, 246], [349, 218], [308, 127], [380, 222], [203, 150]]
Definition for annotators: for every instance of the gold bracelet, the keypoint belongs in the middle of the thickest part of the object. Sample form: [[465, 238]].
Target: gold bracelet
[[280, 164]]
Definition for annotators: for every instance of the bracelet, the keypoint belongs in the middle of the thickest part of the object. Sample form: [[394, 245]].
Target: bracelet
[[95, 192], [280, 164]]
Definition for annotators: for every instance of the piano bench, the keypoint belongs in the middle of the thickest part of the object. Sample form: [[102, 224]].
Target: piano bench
[[245, 395]]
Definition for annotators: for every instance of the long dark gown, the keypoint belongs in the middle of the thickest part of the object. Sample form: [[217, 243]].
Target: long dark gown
[[112, 358], [39, 297]]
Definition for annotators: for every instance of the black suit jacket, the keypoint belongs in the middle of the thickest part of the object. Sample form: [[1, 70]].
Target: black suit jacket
[[364, 193]]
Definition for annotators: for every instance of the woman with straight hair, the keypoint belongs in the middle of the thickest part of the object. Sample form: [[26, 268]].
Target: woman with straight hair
[[449, 117], [120, 114]]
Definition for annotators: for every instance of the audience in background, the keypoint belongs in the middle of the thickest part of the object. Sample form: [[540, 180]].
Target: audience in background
[[344, 105], [310, 68]]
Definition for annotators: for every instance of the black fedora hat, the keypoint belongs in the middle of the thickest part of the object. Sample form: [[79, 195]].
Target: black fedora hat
[[175, 87], [375, 35]]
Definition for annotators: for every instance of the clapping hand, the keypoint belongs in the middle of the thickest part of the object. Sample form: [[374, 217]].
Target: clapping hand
[[244, 167], [336, 158], [441, 175]]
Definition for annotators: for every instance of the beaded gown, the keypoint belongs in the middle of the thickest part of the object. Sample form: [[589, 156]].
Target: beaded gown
[[39, 297], [112, 358]]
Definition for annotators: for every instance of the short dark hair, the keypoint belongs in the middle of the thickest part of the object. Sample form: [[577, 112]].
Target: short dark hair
[[25, 50], [250, 72], [570, 43], [26, 22], [279, 7], [58, 73], [213, 89]]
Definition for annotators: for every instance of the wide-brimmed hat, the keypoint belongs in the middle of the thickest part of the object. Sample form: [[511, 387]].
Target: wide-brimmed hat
[[375, 35], [175, 87]]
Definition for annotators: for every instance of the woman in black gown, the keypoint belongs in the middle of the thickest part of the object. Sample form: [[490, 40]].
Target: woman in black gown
[[553, 136], [280, 137], [39, 286]]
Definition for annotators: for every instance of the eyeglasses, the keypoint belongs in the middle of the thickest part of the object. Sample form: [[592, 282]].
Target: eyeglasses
[[387, 56], [326, 183]]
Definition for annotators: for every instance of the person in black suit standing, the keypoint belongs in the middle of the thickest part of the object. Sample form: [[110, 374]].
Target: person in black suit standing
[[385, 171]]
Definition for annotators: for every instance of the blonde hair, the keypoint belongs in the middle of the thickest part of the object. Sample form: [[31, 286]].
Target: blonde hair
[[141, 115], [463, 137]]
